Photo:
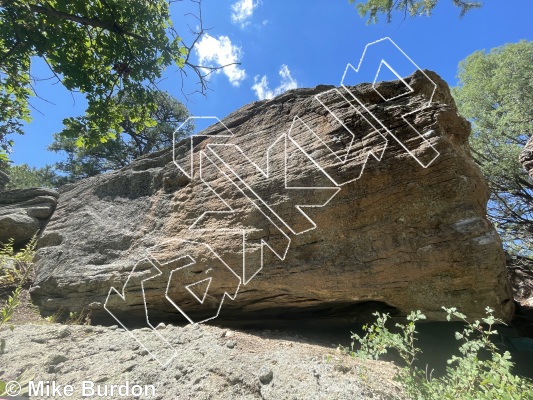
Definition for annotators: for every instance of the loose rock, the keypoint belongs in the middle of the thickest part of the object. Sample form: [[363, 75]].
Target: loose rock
[[265, 375]]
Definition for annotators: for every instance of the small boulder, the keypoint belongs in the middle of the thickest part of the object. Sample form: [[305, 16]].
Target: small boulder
[[24, 212], [18, 226], [265, 375]]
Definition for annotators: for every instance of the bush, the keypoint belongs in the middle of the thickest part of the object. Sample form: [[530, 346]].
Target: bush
[[15, 269], [467, 376], [15, 266]]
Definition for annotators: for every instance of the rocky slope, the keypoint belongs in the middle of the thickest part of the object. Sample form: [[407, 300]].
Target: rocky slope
[[211, 363], [307, 204]]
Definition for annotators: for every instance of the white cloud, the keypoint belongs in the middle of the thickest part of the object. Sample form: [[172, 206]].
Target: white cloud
[[213, 52], [242, 10], [262, 91]]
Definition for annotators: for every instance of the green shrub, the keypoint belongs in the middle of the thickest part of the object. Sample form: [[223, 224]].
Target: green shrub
[[467, 376], [15, 268]]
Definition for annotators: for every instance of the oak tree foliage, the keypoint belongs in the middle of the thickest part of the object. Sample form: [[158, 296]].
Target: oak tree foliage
[[374, 8], [105, 49]]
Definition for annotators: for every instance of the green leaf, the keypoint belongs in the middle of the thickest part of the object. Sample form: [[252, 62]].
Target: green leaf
[[94, 59]]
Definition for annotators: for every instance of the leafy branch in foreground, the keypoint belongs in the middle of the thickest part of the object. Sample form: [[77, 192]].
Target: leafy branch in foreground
[[103, 49], [468, 376]]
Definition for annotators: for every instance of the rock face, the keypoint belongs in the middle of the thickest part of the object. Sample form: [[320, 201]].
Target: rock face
[[521, 278], [282, 210], [24, 212], [526, 157]]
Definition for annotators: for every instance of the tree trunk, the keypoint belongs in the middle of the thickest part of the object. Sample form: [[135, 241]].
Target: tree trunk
[[526, 157]]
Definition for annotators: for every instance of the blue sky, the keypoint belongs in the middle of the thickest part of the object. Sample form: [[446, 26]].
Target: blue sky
[[283, 44]]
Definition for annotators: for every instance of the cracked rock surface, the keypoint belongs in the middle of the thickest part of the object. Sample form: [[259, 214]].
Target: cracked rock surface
[[409, 231]]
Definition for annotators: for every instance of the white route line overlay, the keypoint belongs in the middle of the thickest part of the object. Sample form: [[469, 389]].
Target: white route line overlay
[[411, 91], [245, 280], [159, 337], [211, 148], [162, 341], [226, 294]]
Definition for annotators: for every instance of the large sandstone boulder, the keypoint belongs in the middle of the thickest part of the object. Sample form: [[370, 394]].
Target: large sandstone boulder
[[409, 231], [24, 212]]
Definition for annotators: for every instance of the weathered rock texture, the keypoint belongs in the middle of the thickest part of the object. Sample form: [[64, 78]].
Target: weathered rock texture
[[211, 363], [521, 277], [24, 212], [404, 235], [526, 157]]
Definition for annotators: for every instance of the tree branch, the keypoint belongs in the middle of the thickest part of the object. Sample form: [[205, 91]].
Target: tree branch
[[94, 22]]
